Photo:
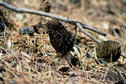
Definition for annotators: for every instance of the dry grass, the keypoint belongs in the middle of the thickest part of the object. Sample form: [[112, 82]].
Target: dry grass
[[28, 59]]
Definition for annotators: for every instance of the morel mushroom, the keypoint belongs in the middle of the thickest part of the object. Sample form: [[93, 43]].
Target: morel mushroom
[[109, 51], [61, 40]]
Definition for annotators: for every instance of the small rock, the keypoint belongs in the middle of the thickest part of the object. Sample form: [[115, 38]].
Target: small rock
[[27, 30]]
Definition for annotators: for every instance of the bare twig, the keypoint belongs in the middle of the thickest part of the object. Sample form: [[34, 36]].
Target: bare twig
[[79, 24], [86, 33], [65, 19], [74, 37], [123, 55]]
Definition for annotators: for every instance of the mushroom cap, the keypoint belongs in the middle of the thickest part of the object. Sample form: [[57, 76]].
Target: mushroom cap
[[60, 37], [109, 51]]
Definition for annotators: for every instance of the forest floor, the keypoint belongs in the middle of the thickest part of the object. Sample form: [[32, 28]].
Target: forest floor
[[30, 59]]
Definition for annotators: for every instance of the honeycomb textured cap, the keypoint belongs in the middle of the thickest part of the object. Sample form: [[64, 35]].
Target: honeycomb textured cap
[[60, 38]]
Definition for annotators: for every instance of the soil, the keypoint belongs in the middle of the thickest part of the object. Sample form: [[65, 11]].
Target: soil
[[31, 59]]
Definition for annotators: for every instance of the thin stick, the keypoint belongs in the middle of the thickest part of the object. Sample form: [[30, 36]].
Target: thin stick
[[25, 10], [74, 37], [123, 56], [86, 33]]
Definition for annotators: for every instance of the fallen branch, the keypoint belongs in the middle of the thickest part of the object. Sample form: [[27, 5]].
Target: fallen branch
[[65, 19], [86, 33]]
